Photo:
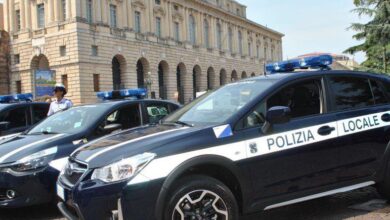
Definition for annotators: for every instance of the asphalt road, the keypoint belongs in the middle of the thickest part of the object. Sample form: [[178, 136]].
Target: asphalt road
[[340, 206]]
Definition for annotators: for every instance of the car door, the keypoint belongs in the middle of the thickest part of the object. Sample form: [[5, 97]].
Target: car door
[[155, 111], [296, 156], [17, 117], [363, 115]]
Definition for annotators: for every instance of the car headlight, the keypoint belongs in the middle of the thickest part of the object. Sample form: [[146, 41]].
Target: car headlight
[[124, 169], [35, 161]]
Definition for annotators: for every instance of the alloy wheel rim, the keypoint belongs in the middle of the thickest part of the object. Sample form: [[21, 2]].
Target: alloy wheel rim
[[200, 205]]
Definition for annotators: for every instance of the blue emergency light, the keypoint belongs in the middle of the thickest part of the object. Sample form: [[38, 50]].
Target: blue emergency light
[[27, 97], [122, 94], [321, 62]]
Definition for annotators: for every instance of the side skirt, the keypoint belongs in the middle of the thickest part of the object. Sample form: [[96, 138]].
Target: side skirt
[[319, 195]]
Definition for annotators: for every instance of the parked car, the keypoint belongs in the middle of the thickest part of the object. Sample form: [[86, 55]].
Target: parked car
[[18, 113], [253, 145], [31, 162]]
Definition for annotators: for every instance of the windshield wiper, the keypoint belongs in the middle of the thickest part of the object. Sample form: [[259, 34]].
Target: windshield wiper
[[184, 123], [43, 132]]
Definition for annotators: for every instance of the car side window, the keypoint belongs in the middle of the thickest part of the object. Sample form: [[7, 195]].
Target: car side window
[[157, 111], [379, 95], [17, 118], [39, 112], [350, 92], [128, 117], [303, 98]]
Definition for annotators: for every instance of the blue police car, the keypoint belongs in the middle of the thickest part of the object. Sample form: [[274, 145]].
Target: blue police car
[[18, 113], [31, 162], [253, 145]]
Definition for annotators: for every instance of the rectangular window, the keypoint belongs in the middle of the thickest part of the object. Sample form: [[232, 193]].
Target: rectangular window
[[64, 80], [96, 82], [350, 92], [17, 15], [137, 22], [89, 11], [17, 59], [63, 5], [258, 52], [113, 16], [177, 31], [95, 50], [18, 85], [158, 26], [157, 2], [63, 51], [41, 15], [250, 49]]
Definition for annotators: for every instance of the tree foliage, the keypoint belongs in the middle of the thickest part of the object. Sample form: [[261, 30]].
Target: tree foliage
[[375, 34]]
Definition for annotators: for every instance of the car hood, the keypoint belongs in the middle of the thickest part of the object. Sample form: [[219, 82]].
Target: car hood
[[128, 143], [19, 146]]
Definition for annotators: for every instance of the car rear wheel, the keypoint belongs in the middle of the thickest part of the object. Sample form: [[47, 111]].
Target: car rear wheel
[[201, 198]]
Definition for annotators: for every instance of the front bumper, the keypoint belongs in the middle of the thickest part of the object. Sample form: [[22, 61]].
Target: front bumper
[[33, 189], [96, 200]]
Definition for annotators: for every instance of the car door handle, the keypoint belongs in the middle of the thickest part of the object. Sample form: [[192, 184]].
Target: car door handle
[[386, 117], [326, 130]]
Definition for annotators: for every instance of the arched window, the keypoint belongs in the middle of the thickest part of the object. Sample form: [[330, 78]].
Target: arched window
[[219, 36], [192, 30], [240, 42], [206, 34], [230, 40]]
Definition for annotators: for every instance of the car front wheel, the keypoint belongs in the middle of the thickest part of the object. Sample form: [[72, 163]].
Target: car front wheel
[[201, 198]]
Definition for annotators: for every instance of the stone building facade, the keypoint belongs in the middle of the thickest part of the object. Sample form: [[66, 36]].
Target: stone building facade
[[4, 57], [174, 47]]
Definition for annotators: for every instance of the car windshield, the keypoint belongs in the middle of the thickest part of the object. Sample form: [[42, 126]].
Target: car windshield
[[70, 121], [218, 106]]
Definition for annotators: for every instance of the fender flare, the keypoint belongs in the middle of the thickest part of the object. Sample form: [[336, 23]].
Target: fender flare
[[245, 185]]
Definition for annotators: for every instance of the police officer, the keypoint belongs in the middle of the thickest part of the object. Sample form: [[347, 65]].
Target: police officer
[[61, 103]]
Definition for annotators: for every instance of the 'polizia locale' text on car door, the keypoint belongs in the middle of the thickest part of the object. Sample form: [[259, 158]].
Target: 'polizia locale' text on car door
[[253, 145]]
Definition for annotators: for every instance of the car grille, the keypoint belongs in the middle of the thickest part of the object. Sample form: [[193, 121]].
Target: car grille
[[73, 173]]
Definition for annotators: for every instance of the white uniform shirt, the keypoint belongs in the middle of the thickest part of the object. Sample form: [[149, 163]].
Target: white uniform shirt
[[62, 105]]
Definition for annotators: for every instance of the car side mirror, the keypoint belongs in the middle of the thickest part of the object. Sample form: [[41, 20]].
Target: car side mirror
[[111, 128], [4, 125], [276, 115]]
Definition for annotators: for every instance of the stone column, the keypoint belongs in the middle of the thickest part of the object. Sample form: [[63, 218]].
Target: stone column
[[169, 33], [213, 33], [185, 28], [34, 16], [22, 15], [124, 14], [104, 12], [11, 15], [69, 13], [28, 18], [6, 16], [130, 15], [50, 11]]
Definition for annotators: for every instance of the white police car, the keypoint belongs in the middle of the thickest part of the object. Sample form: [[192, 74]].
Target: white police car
[[18, 113], [31, 161], [253, 145]]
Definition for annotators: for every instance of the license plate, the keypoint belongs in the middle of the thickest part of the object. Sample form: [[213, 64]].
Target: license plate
[[61, 192]]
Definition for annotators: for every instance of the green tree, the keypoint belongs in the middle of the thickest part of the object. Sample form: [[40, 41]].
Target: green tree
[[375, 33]]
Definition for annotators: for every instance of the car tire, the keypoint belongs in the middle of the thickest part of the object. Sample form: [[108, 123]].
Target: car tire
[[201, 197], [383, 187]]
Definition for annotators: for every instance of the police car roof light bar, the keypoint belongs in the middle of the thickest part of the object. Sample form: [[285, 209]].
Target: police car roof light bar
[[122, 94], [27, 97], [321, 62]]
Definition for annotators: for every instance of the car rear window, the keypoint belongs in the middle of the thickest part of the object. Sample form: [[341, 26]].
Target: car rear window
[[355, 92]]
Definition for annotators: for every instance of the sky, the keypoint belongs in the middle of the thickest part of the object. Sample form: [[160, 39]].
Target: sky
[[308, 25]]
